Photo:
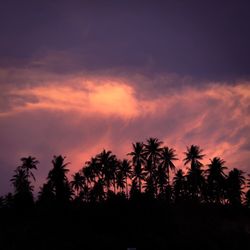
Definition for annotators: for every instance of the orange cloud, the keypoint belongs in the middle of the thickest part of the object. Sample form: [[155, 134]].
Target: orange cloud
[[107, 98]]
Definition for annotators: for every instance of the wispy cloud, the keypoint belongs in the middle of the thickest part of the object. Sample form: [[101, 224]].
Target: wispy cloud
[[78, 115]]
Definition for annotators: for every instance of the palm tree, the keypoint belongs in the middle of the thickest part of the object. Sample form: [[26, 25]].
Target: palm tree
[[138, 162], [89, 175], [193, 155], [23, 190], [29, 163], [20, 180], [152, 153], [120, 180], [234, 184], [108, 164], [167, 157], [78, 182], [216, 180], [166, 164], [57, 177], [126, 171], [195, 177], [95, 169]]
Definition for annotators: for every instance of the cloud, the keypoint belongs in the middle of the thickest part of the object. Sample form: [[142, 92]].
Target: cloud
[[109, 98], [79, 115]]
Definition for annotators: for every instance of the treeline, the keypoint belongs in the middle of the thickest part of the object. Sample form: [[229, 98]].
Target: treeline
[[144, 175]]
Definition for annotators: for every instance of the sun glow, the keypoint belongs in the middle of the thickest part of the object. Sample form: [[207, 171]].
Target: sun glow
[[107, 98]]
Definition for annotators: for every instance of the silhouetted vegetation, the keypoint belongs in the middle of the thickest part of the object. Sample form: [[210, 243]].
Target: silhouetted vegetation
[[134, 202]]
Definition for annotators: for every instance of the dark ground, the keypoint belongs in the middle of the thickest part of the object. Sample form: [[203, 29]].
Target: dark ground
[[112, 226]]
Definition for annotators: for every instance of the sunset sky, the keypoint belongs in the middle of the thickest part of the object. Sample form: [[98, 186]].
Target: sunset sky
[[80, 76]]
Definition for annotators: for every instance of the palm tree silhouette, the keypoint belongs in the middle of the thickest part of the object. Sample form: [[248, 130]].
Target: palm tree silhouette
[[23, 189], [108, 164], [193, 155], [152, 153], [94, 171], [167, 156], [78, 182], [20, 180], [29, 163], [235, 184], [120, 181], [126, 172], [195, 177], [138, 161], [57, 177], [89, 175], [216, 180]]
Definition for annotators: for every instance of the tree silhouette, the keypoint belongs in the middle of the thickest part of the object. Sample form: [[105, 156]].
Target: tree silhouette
[[120, 177], [108, 165], [23, 189], [89, 175], [28, 164], [167, 156], [58, 179], [78, 182], [235, 183], [152, 154], [138, 160], [94, 170], [125, 171], [216, 179], [195, 176]]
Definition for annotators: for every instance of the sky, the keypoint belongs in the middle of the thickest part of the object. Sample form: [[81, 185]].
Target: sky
[[80, 76]]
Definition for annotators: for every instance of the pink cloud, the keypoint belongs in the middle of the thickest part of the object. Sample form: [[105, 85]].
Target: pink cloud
[[78, 116]]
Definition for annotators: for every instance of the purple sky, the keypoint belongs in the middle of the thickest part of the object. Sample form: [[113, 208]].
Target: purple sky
[[80, 76]]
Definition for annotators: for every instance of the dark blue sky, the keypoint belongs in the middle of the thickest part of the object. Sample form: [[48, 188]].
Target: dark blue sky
[[204, 39]]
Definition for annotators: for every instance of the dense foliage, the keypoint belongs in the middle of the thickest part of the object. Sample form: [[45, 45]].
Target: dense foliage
[[145, 175]]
